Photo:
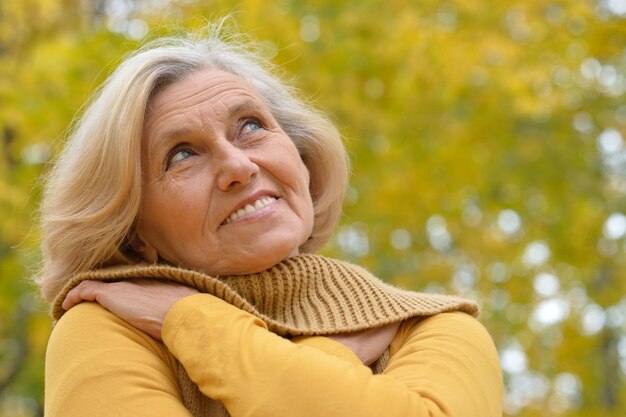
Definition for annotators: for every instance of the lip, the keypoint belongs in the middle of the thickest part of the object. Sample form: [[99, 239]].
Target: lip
[[249, 200]]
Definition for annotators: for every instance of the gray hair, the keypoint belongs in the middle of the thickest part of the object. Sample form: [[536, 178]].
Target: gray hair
[[93, 194]]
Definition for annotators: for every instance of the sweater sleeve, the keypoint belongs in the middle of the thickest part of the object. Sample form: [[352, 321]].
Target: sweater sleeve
[[445, 365], [97, 365]]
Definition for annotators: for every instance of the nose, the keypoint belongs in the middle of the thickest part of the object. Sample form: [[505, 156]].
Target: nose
[[235, 168]]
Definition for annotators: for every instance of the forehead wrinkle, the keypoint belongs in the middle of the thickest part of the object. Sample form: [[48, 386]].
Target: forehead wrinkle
[[183, 125], [220, 103], [219, 107], [229, 97], [233, 99]]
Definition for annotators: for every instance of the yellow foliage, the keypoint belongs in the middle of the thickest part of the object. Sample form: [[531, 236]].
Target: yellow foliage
[[482, 165]]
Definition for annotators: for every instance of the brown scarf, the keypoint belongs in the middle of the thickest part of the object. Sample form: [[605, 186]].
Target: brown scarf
[[302, 295]]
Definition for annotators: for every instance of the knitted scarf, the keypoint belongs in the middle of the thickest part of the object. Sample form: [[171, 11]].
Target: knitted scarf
[[302, 295]]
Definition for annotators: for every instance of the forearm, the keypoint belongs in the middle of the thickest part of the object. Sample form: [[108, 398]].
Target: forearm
[[234, 358]]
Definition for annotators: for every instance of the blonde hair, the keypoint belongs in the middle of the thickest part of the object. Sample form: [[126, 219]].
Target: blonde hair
[[93, 194]]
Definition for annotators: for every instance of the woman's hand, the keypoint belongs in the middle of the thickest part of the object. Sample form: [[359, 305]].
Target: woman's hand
[[142, 303], [368, 344]]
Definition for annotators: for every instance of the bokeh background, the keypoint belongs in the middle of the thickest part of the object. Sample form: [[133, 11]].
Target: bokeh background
[[487, 142]]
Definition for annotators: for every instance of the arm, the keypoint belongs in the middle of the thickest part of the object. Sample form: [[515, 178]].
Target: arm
[[442, 366], [98, 365]]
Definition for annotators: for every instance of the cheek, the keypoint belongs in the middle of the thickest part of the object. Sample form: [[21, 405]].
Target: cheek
[[291, 171], [306, 196], [302, 179], [289, 168], [153, 220], [167, 209]]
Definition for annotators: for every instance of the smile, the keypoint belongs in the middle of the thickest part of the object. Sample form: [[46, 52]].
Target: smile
[[250, 208]]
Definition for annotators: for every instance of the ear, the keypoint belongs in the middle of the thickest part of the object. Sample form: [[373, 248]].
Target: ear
[[143, 248]]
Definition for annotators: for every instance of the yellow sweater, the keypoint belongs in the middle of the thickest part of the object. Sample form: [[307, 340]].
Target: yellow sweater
[[98, 365], [255, 344]]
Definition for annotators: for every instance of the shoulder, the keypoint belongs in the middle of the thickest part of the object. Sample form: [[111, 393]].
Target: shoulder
[[93, 357], [453, 355], [449, 322], [451, 330], [86, 321], [89, 329]]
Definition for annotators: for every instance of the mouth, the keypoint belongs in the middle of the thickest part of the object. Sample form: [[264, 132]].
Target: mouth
[[251, 207]]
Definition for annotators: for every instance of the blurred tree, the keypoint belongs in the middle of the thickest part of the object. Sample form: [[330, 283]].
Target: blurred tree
[[487, 141], [50, 58]]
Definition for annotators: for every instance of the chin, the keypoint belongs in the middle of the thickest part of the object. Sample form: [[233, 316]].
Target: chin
[[255, 262], [269, 261]]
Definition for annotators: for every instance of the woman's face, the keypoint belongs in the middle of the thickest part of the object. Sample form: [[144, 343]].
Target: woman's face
[[225, 190]]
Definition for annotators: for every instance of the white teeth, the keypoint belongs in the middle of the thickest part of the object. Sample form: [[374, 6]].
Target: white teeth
[[249, 208]]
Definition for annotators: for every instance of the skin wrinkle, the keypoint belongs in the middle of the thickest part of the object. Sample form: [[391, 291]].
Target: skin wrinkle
[[206, 113], [183, 102], [174, 135], [206, 218], [177, 134]]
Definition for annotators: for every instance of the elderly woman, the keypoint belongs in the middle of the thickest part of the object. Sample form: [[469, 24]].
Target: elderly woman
[[178, 232]]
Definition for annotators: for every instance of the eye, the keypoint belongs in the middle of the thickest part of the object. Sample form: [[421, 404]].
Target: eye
[[251, 125], [178, 155]]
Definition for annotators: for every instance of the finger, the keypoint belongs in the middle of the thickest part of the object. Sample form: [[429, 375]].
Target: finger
[[72, 298], [85, 291]]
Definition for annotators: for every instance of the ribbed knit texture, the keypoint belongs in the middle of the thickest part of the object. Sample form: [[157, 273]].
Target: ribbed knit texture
[[302, 295]]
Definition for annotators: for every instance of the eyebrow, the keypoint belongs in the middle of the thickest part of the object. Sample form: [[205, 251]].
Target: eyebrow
[[174, 133]]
